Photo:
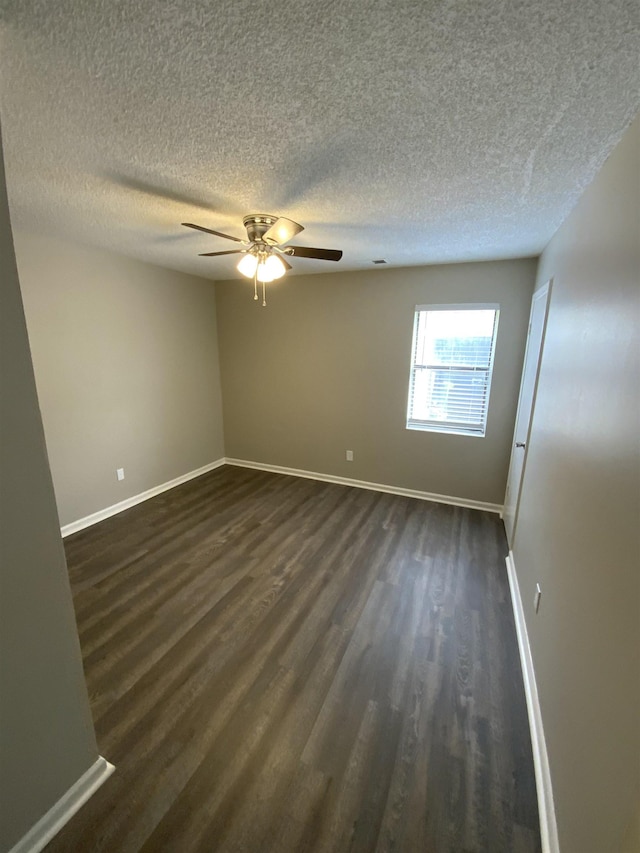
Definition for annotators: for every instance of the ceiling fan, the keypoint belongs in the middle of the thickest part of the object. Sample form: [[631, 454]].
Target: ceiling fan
[[264, 258]]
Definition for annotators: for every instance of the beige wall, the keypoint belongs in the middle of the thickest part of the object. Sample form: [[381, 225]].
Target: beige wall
[[325, 368], [126, 365], [578, 527], [631, 842], [46, 734]]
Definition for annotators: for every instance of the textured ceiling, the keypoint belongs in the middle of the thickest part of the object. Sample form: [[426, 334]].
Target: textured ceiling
[[419, 131]]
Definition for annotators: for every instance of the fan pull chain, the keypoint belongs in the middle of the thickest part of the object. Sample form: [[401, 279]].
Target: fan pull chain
[[255, 285], [264, 295]]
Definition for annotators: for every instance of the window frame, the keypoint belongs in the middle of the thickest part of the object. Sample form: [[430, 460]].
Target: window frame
[[442, 426]]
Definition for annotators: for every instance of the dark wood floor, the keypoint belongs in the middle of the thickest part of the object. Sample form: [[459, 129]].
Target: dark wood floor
[[277, 664]]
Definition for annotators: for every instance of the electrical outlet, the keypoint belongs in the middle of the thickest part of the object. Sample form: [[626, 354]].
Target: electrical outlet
[[349, 455], [120, 473], [536, 598]]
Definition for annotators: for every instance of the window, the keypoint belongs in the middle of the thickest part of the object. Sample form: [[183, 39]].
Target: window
[[451, 364]]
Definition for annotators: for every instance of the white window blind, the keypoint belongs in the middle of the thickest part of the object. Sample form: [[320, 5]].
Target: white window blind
[[451, 365]]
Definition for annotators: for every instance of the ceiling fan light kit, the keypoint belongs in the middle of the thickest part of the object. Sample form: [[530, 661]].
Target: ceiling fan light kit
[[264, 259], [266, 267]]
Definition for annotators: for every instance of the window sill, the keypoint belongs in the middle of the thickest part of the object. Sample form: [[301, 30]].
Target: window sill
[[445, 431]]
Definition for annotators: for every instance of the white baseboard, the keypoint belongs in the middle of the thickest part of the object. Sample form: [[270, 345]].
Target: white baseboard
[[546, 809], [69, 803], [362, 484], [95, 517]]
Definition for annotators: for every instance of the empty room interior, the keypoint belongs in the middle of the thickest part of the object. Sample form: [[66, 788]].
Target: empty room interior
[[320, 417]]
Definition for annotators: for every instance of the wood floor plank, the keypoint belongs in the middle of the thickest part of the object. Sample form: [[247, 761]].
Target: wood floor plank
[[277, 664]]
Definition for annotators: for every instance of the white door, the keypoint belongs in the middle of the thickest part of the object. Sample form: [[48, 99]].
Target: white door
[[532, 358]]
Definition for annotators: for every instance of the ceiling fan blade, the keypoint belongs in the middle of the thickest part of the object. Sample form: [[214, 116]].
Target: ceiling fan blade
[[320, 254], [230, 252], [281, 232], [210, 231]]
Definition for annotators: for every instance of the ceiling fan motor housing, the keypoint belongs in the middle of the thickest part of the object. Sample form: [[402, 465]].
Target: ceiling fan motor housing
[[258, 224]]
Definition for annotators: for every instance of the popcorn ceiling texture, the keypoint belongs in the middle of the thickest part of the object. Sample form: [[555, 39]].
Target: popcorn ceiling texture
[[411, 130]]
